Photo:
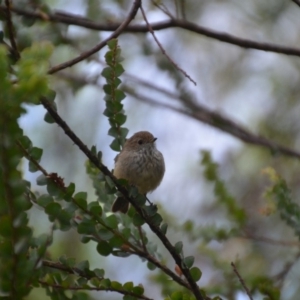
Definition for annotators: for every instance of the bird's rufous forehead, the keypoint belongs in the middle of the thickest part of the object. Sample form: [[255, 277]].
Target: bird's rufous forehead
[[146, 136]]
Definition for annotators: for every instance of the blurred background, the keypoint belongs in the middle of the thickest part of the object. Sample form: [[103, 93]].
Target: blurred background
[[258, 90]]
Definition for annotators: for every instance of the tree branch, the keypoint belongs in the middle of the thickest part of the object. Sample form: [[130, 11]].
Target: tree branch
[[71, 19], [88, 288], [10, 27], [193, 286], [297, 2], [132, 248], [95, 49], [241, 280]]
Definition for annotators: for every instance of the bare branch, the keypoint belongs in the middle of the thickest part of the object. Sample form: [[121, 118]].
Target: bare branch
[[163, 50], [248, 235], [241, 280], [72, 19], [95, 49], [286, 269]]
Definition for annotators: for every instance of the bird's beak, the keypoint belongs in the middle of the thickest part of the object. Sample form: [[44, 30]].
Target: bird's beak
[[154, 140]]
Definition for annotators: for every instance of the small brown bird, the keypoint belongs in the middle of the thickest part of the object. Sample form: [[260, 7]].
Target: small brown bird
[[141, 164]]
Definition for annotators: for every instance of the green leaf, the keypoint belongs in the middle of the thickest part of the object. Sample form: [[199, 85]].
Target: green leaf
[[164, 228], [177, 295], [115, 145], [50, 95], [6, 226], [137, 220], [106, 283], [116, 285], [151, 266], [48, 118], [112, 221], [80, 199], [69, 191], [112, 44], [104, 248], [95, 208], [83, 265], [178, 247], [105, 234], [99, 272], [124, 132], [128, 297], [119, 95], [120, 118], [41, 180], [138, 290], [27, 21], [189, 261], [128, 286], [36, 153], [53, 209], [44, 200], [107, 73], [116, 242], [53, 189], [33, 167], [25, 142], [156, 219], [86, 227], [195, 273], [119, 70]]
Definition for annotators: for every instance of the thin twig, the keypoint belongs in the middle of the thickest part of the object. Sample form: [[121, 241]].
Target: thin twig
[[193, 286], [71, 19], [10, 28], [163, 8], [286, 269], [182, 7], [163, 50], [98, 47], [241, 280], [270, 241], [61, 267]]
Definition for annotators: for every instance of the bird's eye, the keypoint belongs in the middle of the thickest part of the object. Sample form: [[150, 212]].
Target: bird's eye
[[140, 142]]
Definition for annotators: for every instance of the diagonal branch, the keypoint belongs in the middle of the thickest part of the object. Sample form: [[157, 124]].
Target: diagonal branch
[[95, 49], [241, 280], [132, 248], [193, 286]]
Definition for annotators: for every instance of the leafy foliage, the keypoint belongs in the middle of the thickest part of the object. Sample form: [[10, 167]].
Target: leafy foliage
[[114, 96]]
